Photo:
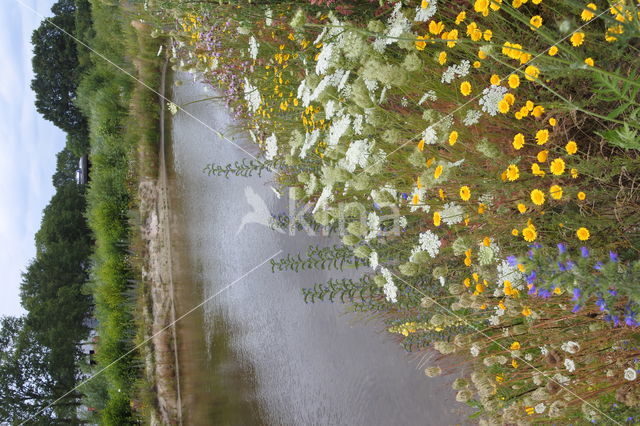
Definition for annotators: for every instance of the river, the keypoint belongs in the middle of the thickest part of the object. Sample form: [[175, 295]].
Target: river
[[255, 353]]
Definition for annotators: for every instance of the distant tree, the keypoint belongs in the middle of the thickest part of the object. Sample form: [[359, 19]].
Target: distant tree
[[66, 166], [55, 65]]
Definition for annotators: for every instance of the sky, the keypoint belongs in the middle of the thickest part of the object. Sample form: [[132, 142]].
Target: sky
[[28, 147]]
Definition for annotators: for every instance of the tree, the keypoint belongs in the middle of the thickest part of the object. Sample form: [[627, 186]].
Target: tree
[[55, 65]]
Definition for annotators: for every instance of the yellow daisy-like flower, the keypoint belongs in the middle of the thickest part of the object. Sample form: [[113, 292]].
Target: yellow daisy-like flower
[[556, 192], [495, 79], [557, 166], [461, 17], [553, 51], [515, 345], [441, 194], [436, 28], [521, 208], [529, 234], [424, 4], [518, 141], [421, 145], [453, 138], [583, 234], [465, 193], [536, 21], [477, 64], [482, 54], [571, 147], [503, 106], [515, 232], [538, 111], [437, 172], [436, 219], [510, 98], [588, 14], [526, 311], [553, 122], [581, 196], [574, 173], [421, 43], [577, 39], [512, 172], [542, 136], [481, 6], [529, 106], [531, 72], [487, 35], [589, 61], [465, 88], [514, 81], [537, 197], [442, 58], [536, 170], [542, 156]]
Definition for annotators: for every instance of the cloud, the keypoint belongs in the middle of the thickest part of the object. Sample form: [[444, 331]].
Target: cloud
[[27, 149]]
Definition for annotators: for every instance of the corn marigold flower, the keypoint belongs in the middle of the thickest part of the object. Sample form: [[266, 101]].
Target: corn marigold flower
[[442, 58], [521, 208], [453, 138], [526, 311], [538, 111], [529, 234], [465, 88], [421, 43], [537, 197], [515, 345], [436, 28], [536, 21], [461, 17], [583, 234], [557, 166], [531, 72], [589, 61], [571, 147], [518, 141], [542, 136], [536, 170], [553, 51], [574, 173], [476, 64], [515, 232], [581, 196], [437, 172], [577, 39], [587, 14], [542, 156], [512, 172], [495, 79], [465, 193], [510, 98], [487, 35], [481, 6], [556, 192], [514, 81], [482, 54], [436, 218], [503, 106], [552, 122]]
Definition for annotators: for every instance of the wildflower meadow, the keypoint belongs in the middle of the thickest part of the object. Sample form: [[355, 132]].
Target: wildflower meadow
[[478, 160]]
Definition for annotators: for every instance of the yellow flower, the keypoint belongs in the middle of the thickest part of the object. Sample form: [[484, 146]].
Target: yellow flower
[[510, 98], [542, 136], [529, 410], [441, 194], [518, 141], [512, 172], [503, 106], [436, 28], [465, 193], [521, 267], [515, 345], [467, 261], [583, 234], [502, 306], [571, 147], [481, 6], [453, 138], [526, 311], [452, 36], [535, 169], [421, 145], [486, 241], [574, 173], [467, 282], [557, 166], [514, 81], [553, 51], [589, 61], [481, 208], [437, 172], [499, 379], [542, 156], [553, 122], [556, 192], [482, 54], [536, 21], [521, 208], [577, 39], [461, 17], [465, 88], [514, 363], [424, 4], [531, 72], [415, 199], [528, 106], [515, 232], [588, 14], [477, 64], [581, 196], [495, 79], [487, 35], [529, 234], [436, 219], [442, 58], [537, 197], [421, 43], [538, 111]]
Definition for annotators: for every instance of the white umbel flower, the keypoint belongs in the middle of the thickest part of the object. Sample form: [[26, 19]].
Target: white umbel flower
[[252, 95], [253, 48], [570, 346], [324, 59], [338, 128], [430, 243], [423, 15], [630, 374], [325, 197], [373, 260], [357, 155], [569, 365], [390, 289], [490, 98], [271, 147]]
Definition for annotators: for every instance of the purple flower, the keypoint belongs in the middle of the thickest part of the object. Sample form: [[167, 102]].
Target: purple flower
[[600, 303], [613, 256], [532, 290], [613, 292], [616, 320], [576, 294], [512, 261], [576, 308], [562, 248], [376, 206], [598, 266], [531, 277], [584, 252], [630, 321], [561, 267], [545, 294], [536, 245], [570, 264], [405, 195]]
